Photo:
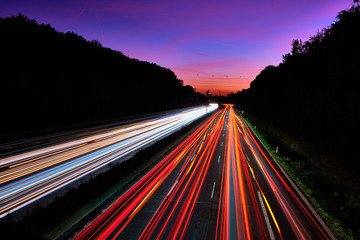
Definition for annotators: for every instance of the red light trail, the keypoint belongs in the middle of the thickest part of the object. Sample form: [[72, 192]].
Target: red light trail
[[220, 183], [28, 176]]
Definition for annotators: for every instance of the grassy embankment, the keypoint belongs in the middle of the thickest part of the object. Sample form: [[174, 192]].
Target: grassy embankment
[[333, 196]]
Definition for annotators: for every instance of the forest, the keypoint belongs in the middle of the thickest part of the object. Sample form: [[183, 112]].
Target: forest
[[50, 79], [307, 109], [313, 95]]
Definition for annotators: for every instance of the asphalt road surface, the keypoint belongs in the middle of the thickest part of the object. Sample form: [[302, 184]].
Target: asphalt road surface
[[28, 176], [220, 183]]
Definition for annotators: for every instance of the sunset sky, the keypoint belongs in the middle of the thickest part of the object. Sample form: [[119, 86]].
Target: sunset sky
[[219, 45]]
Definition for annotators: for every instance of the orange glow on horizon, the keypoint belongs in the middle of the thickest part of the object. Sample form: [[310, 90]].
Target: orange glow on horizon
[[218, 83], [219, 88]]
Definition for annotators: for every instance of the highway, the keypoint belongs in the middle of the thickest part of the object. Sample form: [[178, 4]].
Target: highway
[[220, 183], [27, 176]]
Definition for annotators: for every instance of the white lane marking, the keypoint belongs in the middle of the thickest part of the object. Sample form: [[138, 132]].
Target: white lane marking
[[192, 158], [173, 187], [212, 193], [253, 174], [221, 143], [219, 159], [248, 158], [267, 221], [313, 211]]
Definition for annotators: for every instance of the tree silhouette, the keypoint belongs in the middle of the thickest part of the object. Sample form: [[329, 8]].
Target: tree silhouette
[[314, 93], [50, 79]]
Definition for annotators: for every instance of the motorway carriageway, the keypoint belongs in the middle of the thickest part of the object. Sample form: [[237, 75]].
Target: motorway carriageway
[[220, 183], [28, 176]]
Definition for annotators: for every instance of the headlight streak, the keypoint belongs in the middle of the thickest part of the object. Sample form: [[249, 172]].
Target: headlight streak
[[118, 213], [34, 174], [188, 189], [250, 190]]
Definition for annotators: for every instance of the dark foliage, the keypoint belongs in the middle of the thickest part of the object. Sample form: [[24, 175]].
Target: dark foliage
[[314, 93], [48, 79]]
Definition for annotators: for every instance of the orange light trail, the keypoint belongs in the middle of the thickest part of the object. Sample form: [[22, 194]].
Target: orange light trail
[[137, 196], [237, 192], [295, 223], [250, 188]]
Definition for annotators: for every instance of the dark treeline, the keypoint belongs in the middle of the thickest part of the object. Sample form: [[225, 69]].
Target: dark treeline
[[49, 78], [314, 93]]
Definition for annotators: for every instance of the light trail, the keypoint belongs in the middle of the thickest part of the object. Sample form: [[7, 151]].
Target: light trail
[[28, 176], [192, 194], [235, 219], [275, 182], [119, 213]]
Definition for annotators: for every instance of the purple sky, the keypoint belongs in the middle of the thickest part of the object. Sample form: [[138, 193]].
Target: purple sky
[[219, 45]]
